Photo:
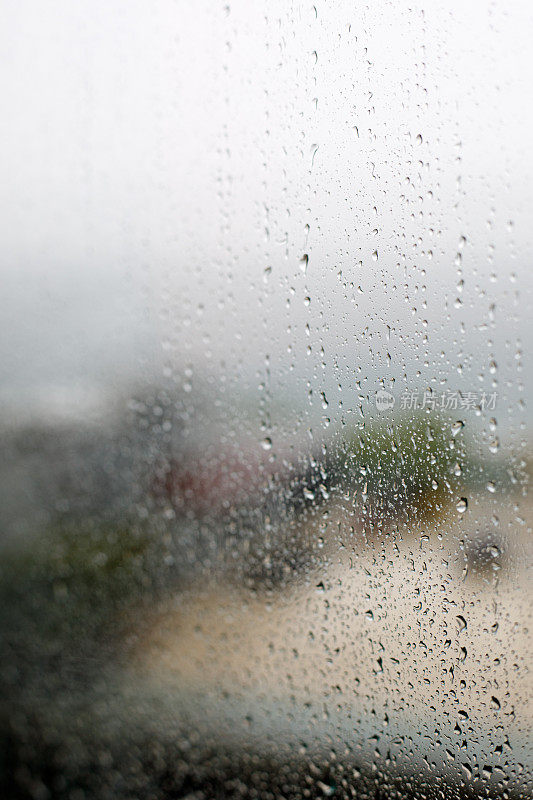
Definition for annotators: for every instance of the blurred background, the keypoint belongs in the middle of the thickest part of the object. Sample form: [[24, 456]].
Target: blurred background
[[266, 439]]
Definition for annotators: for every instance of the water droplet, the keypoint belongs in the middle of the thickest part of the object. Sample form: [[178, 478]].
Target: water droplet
[[461, 622], [326, 790], [456, 427], [462, 505], [494, 446]]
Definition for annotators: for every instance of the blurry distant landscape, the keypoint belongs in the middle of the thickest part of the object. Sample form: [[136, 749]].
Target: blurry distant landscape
[[106, 522], [181, 462]]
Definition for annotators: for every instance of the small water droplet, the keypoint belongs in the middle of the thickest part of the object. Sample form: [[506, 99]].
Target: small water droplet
[[462, 505], [494, 446], [326, 790], [461, 622], [456, 427]]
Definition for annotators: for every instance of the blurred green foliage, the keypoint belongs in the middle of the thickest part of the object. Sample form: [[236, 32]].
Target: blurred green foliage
[[408, 465]]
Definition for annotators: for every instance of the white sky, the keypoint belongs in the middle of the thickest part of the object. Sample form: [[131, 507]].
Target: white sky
[[157, 158]]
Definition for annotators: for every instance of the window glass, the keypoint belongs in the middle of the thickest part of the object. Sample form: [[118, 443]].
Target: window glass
[[266, 441]]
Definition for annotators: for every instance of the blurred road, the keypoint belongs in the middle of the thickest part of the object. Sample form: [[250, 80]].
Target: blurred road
[[389, 650]]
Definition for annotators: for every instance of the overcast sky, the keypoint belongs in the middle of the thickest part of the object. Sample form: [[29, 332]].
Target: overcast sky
[[270, 192]]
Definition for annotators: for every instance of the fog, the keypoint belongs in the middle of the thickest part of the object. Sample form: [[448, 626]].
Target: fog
[[286, 200]]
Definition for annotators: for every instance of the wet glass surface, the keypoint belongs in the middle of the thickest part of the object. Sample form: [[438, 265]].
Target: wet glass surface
[[266, 441]]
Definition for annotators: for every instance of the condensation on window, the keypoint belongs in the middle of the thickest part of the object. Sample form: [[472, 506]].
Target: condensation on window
[[266, 441]]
